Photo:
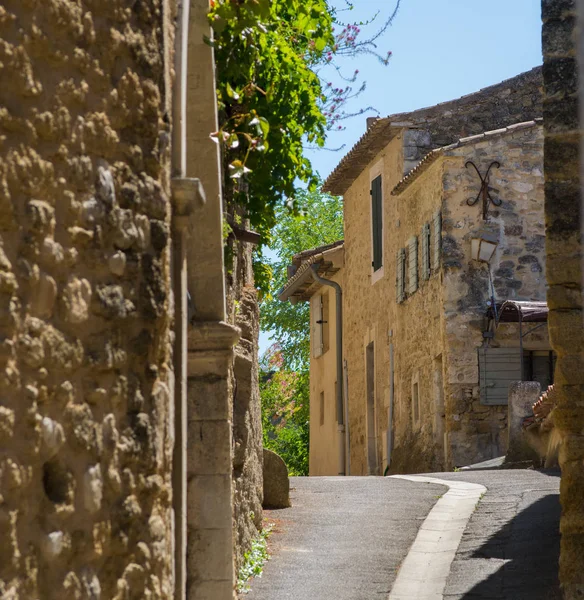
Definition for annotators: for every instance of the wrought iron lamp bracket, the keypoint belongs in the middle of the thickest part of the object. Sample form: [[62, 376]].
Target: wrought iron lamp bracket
[[484, 192]]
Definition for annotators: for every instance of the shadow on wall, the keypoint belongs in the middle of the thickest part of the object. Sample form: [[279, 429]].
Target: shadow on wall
[[530, 548]]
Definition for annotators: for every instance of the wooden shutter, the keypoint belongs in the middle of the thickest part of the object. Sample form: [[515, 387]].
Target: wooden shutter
[[377, 223], [400, 275], [436, 240], [498, 367], [426, 251], [412, 265], [316, 319]]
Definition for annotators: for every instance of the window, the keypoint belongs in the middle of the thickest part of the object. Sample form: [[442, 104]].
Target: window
[[412, 265], [437, 240], [426, 265], [401, 275], [498, 367], [539, 366], [377, 224], [319, 312], [317, 325], [416, 402], [322, 408]]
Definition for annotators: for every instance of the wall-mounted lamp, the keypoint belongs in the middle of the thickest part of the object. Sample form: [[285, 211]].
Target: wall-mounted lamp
[[483, 246]]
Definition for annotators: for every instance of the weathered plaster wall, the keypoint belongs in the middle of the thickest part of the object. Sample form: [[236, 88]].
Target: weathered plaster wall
[[85, 373], [476, 432], [561, 39], [324, 458]]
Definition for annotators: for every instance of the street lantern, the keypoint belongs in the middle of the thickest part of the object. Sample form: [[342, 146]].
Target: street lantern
[[483, 246]]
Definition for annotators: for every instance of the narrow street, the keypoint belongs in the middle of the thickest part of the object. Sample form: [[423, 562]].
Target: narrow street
[[345, 539]]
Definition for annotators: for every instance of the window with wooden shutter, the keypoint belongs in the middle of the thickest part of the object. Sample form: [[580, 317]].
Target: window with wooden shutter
[[426, 251], [377, 223], [436, 240], [317, 325], [412, 265], [400, 275], [498, 368]]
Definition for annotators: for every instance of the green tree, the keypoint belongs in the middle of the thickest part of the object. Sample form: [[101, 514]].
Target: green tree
[[285, 411], [319, 223]]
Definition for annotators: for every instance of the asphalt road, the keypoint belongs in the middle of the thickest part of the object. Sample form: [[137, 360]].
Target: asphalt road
[[511, 545], [343, 538]]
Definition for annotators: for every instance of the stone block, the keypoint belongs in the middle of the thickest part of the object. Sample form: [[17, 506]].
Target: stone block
[[561, 114], [207, 399], [556, 9], [522, 396], [276, 482], [561, 153], [208, 448], [210, 590], [210, 554], [209, 501]]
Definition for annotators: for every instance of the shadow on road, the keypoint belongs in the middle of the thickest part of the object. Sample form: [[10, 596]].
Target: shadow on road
[[530, 547]]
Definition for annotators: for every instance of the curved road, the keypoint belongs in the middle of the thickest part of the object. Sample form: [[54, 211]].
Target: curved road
[[343, 538]]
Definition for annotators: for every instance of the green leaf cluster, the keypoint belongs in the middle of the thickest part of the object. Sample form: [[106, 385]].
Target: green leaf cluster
[[269, 98]]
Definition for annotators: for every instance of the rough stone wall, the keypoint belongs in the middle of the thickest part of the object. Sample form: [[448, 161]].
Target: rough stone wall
[[477, 432], [511, 101], [243, 311], [365, 313], [85, 372], [564, 271], [416, 326], [436, 332]]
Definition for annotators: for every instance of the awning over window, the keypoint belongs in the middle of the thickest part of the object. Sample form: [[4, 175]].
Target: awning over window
[[514, 311]]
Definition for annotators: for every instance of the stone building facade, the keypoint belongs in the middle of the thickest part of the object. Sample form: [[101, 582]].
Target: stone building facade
[[415, 326], [121, 390], [563, 51]]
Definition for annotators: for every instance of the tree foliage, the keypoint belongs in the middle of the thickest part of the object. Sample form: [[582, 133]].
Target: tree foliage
[[320, 223], [271, 56], [285, 411]]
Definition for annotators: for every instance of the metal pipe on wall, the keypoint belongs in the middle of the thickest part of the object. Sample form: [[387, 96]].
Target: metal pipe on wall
[[339, 348], [179, 288]]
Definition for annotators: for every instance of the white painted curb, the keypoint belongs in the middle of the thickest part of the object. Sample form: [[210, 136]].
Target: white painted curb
[[423, 574]]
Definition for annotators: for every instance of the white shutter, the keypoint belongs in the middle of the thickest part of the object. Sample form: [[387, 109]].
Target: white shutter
[[436, 240], [412, 265], [399, 278], [426, 251], [498, 368], [316, 320]]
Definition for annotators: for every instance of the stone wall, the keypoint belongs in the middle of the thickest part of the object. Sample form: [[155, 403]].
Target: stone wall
[[436, 332], [564, 269], [511, 101], [85, 374], [477, 432], [243, 311]]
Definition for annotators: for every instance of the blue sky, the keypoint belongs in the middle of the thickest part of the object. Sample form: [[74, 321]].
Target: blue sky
[[441, 50]]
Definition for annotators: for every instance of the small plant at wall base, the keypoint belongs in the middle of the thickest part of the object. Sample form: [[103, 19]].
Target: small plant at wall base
[[254, 560]]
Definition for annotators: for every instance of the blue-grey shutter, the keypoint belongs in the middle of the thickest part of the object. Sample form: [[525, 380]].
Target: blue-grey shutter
[[412, 265], [377, 223], [498, 368], [426, 251], [400, 275], [436, 240]]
